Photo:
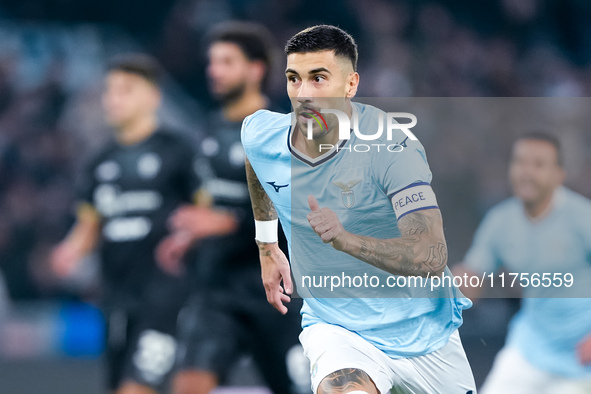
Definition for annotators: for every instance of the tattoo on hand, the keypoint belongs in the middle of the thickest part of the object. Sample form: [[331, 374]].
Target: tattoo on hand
[[263, 251]]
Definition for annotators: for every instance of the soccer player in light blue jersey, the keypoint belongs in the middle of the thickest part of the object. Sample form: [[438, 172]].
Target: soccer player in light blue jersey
[[544, 229], [368, 213]]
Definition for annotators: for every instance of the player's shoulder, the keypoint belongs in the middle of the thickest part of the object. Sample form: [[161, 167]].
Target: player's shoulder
[[395, 145], [104, 153], [173, 142], [172, 137], [372, 118], [263, 126], [509, 207], [368, 118], [578, 203], [366, 109], [263, 121]]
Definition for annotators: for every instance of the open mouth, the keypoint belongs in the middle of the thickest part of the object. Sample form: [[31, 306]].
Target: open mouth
[[308, 112]]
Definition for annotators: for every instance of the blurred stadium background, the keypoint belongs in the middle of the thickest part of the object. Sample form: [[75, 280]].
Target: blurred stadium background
[[52, 58]]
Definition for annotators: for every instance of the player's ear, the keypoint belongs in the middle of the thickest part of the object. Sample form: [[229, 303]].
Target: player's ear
[[560, 175], [156, 97], [352, 84], [257, 71]]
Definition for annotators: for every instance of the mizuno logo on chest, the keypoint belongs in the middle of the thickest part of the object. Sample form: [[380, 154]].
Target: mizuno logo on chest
[[277, 187]]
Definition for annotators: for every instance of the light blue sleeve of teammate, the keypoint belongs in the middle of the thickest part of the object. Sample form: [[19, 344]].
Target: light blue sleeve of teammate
[[483, 254], [397, 170], [581, 215]]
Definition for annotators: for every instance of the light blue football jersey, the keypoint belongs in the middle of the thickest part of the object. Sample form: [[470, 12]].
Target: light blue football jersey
[[358, 186], [549, 324]]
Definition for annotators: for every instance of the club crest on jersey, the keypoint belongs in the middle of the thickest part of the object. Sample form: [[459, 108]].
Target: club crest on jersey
[[346, 193], [148, 165], [108, 171]]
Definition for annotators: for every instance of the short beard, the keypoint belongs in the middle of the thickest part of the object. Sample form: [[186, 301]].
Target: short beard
[[315, 136], [232, 95]]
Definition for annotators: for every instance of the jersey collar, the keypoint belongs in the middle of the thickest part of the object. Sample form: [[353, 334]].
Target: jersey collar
[[314, 162], [558, 199]]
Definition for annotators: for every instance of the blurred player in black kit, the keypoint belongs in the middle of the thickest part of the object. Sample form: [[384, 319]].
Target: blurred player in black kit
[[127, 193], [228, 315]]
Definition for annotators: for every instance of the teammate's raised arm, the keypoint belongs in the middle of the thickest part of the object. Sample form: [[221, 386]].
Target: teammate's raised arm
[[420, 251], [274, 264], [471, 292]]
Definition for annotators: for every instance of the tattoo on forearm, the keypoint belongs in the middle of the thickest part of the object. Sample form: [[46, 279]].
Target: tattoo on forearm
[[413, 224], [383, 253], [364, 250], [420, 251], [262, 206], [344, 380]]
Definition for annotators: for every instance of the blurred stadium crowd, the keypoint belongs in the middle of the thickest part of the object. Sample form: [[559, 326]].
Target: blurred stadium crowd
[[52, 57], [51, 78]]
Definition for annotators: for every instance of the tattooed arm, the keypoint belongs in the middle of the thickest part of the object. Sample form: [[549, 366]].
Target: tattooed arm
[[274, 264], [262, 206], [421, 249]]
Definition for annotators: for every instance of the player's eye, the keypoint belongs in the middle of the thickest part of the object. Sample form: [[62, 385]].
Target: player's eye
[[541, 164], [292, 79], [319, 78], [517, 161]]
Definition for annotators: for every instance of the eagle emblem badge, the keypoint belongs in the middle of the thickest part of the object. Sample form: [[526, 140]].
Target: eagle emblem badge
[[346, 193]]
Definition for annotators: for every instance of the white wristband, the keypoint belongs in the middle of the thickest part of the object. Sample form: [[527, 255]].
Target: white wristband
[[266, 230]]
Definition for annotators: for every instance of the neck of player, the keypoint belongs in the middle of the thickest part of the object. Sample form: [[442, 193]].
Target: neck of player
[[316, 147], [538, 210], [246, 104], [137, 130]]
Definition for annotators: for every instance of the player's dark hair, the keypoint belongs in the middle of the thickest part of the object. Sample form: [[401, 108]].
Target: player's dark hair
[[137, 63], [324, 38], [253, 39], [546, 137]]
